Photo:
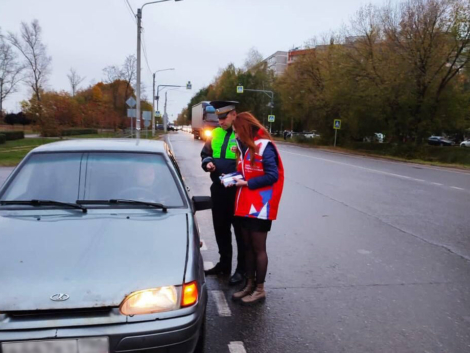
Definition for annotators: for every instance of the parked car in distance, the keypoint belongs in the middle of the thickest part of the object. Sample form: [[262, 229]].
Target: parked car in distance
[[440, 141], [465, 143], [159, 126], [100, 250]]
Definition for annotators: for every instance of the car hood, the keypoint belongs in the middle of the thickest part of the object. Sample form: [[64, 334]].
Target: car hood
[[95, 259]]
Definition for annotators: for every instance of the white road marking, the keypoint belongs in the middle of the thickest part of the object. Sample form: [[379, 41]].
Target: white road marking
[[456, 188], [438, 184], [203, 247], [236, 347], [208, 265], [364, 168], [221, 303]]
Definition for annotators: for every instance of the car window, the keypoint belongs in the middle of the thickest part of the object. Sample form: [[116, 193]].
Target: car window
[[46, 176], [134, 176]]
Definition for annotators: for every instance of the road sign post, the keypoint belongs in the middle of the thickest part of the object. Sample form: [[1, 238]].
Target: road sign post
[[271, 119], [131, 113], [336, 126]]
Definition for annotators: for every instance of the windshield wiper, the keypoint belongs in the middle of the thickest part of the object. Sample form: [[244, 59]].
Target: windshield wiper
[[123, 202], [39, 203]]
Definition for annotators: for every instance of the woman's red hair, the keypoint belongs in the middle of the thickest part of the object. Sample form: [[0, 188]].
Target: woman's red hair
[[247, 127]]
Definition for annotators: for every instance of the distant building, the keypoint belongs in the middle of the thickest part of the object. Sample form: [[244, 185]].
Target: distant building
[[277, 62], [297, 53]]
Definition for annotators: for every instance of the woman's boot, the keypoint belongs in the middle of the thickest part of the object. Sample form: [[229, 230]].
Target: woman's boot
[[247, 290], [257, 296]]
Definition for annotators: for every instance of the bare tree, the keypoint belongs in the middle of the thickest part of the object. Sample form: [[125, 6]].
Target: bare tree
[[129, 71], [10, 71], [30, 45], [253, 58], [112, 73], [75, 79]]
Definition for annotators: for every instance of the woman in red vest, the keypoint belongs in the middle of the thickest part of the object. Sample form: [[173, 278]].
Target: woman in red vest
[[257, 199]]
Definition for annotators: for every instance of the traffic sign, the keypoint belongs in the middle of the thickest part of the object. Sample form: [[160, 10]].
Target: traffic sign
[[131, 113], [131, 102], [271, 118], [239, 89], [337, 124], [147, 115], [147, 123], [158, 114]]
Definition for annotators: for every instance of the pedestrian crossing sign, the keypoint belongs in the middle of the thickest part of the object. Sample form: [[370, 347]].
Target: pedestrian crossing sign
[[337, 124], [271, 118], [158, 114], [239, 89]]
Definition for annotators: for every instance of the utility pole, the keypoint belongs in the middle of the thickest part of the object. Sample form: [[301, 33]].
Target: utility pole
[[164, 114], [153, 106], [139, 32]]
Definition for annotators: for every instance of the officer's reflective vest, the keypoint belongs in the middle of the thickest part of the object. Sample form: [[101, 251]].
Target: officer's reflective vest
[[217, 143], [261, 203]]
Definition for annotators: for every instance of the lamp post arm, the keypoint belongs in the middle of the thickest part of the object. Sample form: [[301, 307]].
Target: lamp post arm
[[153, 2]]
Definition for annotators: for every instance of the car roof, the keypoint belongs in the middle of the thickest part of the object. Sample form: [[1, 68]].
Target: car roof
[[128, 145]]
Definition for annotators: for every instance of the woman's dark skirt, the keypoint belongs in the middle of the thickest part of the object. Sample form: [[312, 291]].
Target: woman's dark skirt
[[254, 224]]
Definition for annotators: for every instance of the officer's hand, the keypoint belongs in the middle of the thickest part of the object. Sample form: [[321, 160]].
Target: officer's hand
[[210, 167]]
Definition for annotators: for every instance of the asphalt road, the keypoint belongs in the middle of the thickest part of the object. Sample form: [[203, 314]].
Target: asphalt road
[[366, 256]]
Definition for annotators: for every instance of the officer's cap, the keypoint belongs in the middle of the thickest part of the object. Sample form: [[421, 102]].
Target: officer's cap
[[222, 108]]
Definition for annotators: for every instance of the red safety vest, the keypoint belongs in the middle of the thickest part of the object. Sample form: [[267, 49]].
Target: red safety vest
[[262, 203]]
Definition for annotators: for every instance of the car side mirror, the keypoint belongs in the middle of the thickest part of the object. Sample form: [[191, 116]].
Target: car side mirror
[[202, 203]]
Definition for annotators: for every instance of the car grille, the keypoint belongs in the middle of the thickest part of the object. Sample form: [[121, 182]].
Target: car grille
[[66, 313]]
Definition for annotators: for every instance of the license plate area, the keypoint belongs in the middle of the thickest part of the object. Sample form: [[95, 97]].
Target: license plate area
[[80, 345]]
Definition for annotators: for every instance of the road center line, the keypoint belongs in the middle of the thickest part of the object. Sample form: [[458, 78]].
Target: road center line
[[364, 168], [236, 347], [221, 303]]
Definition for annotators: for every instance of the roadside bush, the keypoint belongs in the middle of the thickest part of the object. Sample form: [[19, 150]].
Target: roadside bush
[[13, 135], [2, 138], [72, 132], [428, 153]]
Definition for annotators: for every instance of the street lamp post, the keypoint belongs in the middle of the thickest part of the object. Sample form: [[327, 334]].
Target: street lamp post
[[139, 32], [188, 86], [153, 100]]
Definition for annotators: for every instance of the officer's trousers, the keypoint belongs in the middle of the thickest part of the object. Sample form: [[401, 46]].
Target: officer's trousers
[[223, 209]]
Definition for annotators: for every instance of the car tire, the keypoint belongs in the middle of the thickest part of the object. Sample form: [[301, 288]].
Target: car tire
[[201, 342]]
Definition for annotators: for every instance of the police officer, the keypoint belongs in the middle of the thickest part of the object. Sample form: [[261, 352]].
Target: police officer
[[219, 157]]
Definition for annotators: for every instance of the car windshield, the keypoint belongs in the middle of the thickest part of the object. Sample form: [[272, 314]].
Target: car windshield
[[67, 177]]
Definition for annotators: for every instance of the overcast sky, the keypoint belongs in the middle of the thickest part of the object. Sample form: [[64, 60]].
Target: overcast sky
[[196, 37]]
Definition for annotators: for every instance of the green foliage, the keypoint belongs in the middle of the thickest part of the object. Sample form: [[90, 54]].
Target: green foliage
[[13, 135]]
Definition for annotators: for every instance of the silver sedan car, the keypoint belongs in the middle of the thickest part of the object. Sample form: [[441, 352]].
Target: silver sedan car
[[99, 251]]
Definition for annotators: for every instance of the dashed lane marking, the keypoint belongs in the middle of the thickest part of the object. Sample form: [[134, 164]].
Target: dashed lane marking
[[457, 188], [208, 265], [236, 347], [203, 247], [221, 303]]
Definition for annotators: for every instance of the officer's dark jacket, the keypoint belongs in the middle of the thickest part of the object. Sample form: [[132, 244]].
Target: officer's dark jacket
[[220, 150]]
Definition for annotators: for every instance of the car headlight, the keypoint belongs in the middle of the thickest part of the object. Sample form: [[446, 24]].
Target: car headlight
[[157, 300], [208, 133], [150, 301]]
